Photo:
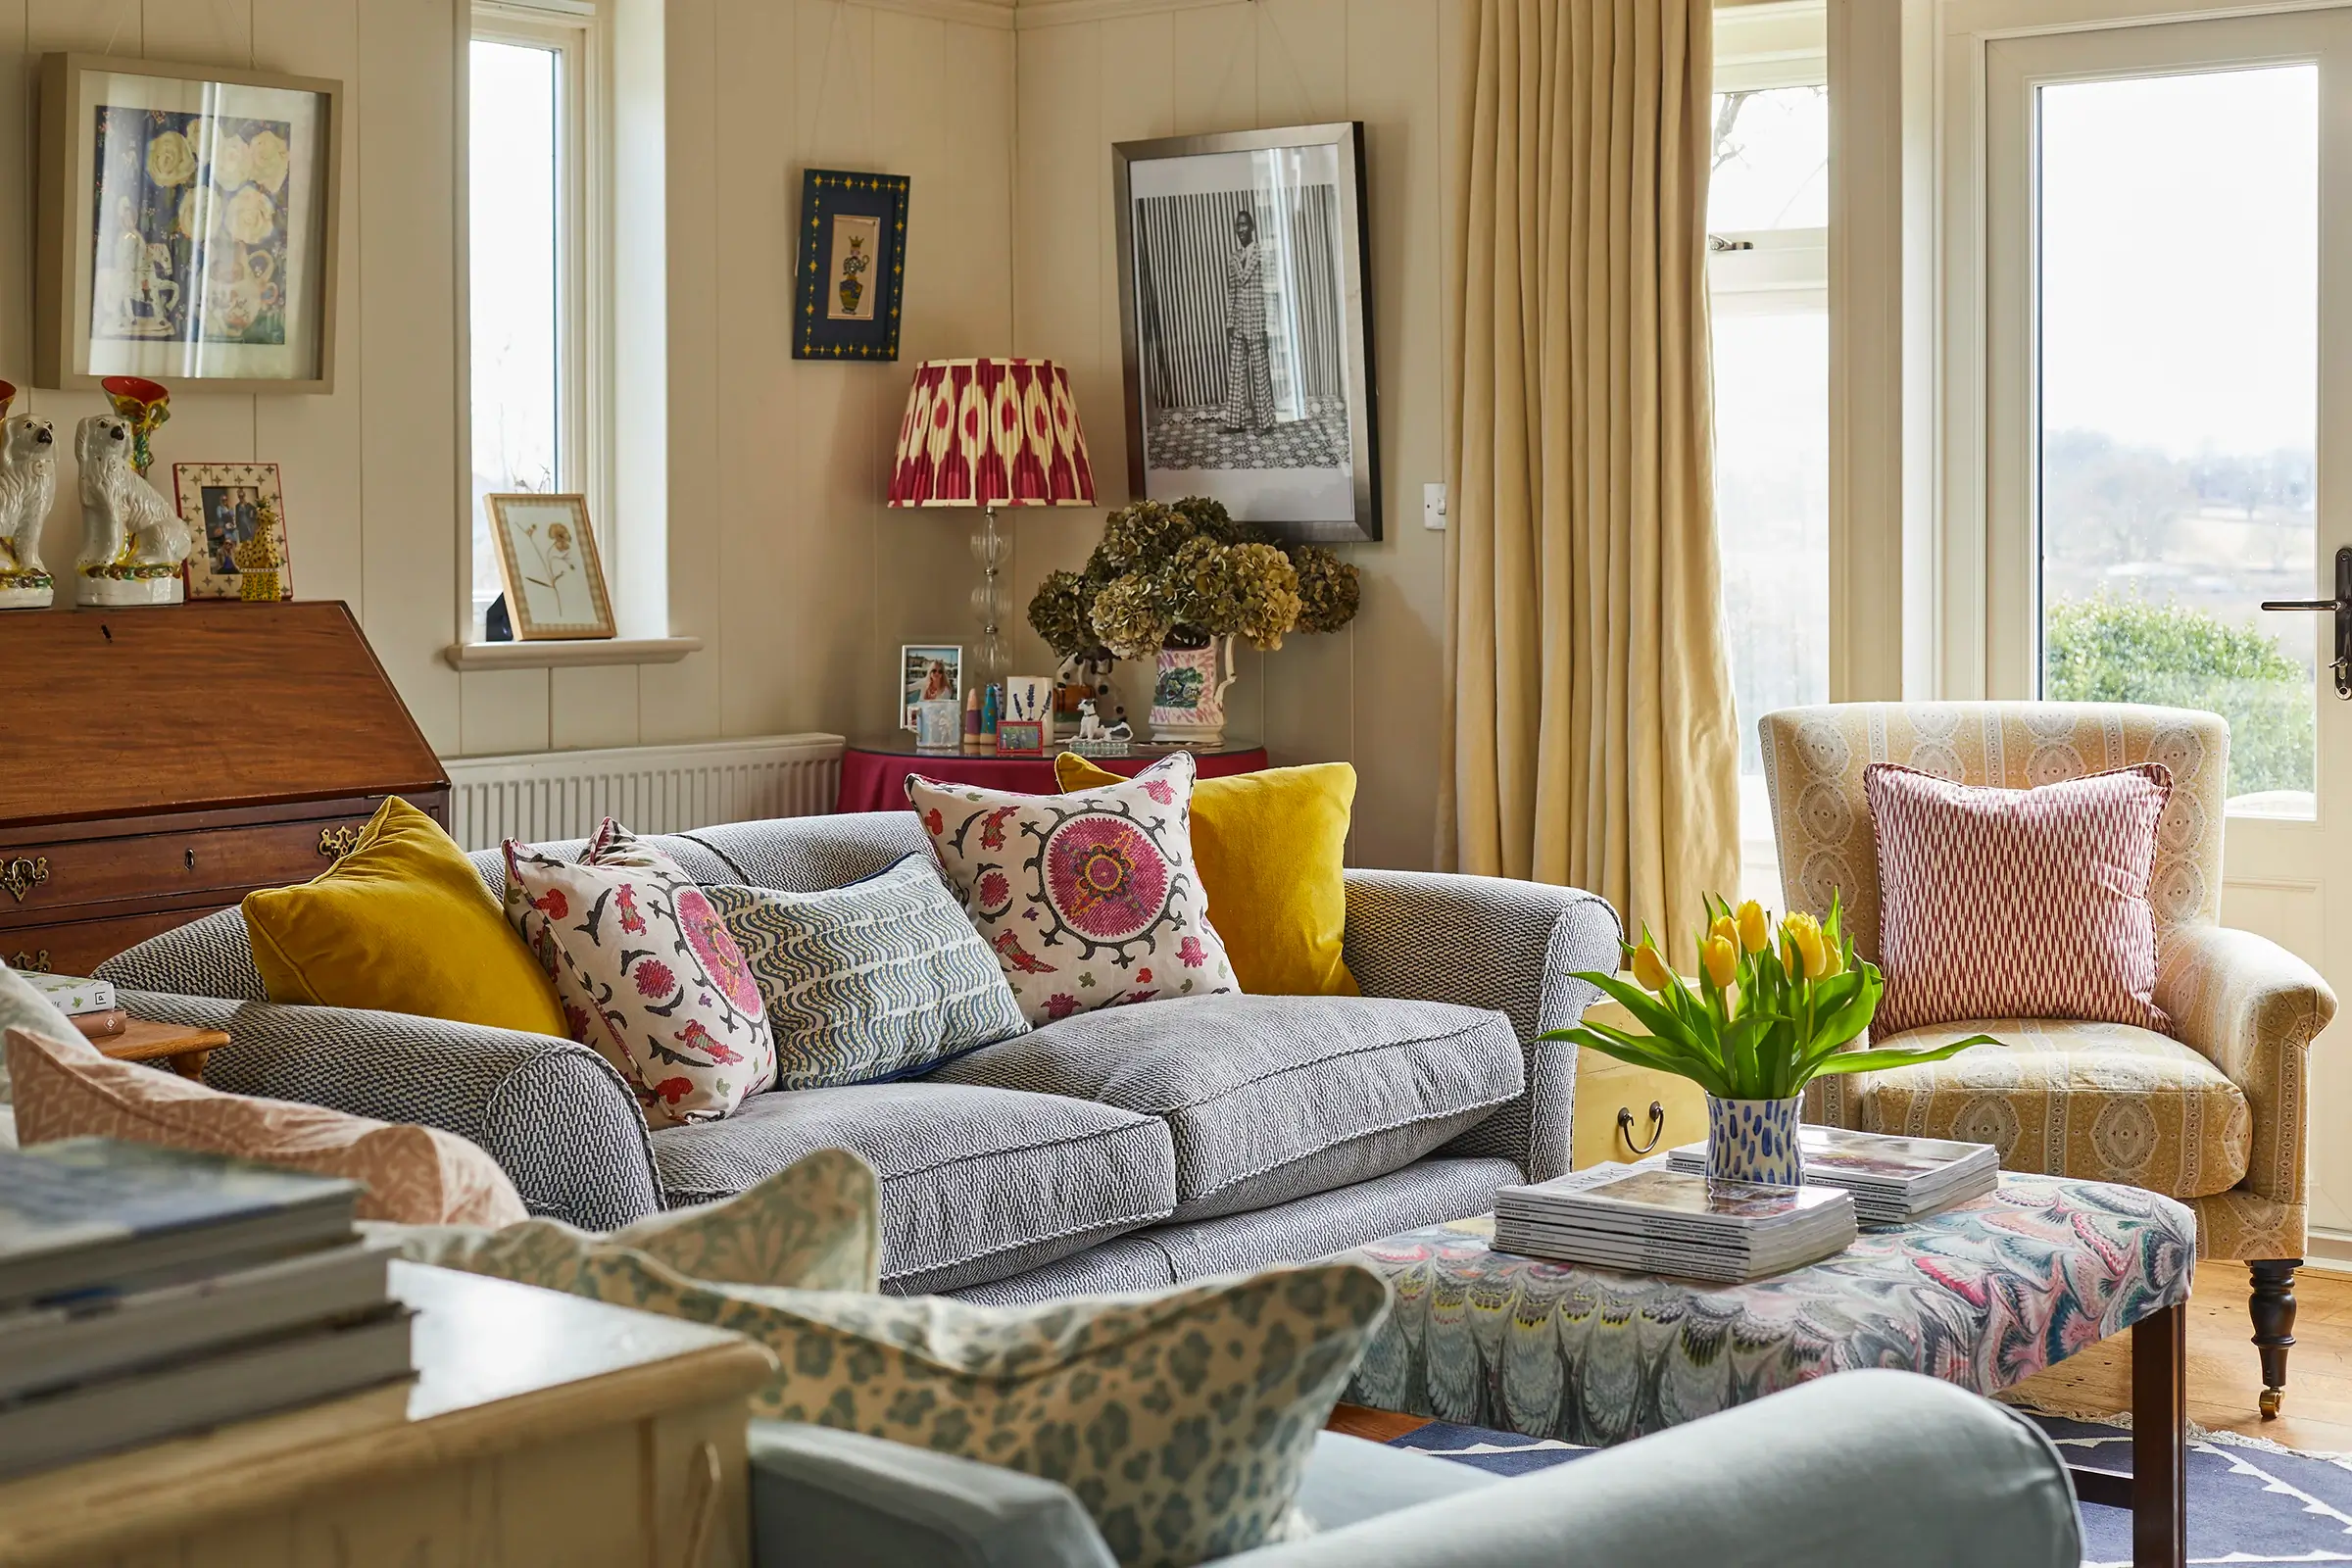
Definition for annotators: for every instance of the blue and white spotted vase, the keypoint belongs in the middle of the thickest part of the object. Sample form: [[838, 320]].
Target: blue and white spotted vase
[[1755, 1141]]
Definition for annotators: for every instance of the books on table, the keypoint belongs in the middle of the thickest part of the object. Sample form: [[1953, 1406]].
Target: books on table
[[1653, 1220], [1893, 1179], [71, 994], [146, 1292]]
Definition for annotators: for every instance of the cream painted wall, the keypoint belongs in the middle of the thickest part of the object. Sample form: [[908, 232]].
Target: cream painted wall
[[782, 557], [1125, 70]]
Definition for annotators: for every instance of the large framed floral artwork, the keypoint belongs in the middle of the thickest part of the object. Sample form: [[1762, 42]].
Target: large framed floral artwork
[[853, 265], [186, 226]]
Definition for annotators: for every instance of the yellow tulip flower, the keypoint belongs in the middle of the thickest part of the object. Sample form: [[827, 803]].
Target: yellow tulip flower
[[1649, 968], [1724, 928], [1803, 932], [1755, 932], [1721, 960]]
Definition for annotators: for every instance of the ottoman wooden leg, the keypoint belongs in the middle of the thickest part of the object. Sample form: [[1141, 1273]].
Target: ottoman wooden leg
[[2273, 1309], [2160, 1440]]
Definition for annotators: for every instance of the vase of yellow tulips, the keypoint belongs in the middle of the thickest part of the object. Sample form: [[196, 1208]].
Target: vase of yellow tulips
[[1774, 1006]]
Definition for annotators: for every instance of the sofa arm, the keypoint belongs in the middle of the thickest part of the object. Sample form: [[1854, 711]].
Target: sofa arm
[[2250, 1008], [1864, 1467], [554, 1115], [1490, 941], [827, 1499]]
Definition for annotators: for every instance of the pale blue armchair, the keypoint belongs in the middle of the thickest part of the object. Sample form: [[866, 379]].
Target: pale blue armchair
[[1863, 1468]]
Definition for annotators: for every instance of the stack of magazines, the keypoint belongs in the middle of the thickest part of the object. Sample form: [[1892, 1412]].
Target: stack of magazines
[[1893, 1179], [146, 1292], [1653, 1220]]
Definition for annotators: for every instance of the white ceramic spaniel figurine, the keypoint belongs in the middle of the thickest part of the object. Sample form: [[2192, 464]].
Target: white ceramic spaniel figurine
[[27, 486], [132, 542]]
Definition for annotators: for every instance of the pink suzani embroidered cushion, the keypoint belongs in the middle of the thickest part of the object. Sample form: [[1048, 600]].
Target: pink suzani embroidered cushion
[[647, 974], [1090, 899], [2016, 903]]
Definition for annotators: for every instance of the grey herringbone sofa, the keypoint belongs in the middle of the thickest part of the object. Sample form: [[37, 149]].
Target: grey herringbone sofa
[[1111, 1150]]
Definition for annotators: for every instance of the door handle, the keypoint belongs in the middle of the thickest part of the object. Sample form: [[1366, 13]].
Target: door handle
[[2340, 607]]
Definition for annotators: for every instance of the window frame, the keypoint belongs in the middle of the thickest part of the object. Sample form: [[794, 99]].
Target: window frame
[[1761, 47], [579, 32]]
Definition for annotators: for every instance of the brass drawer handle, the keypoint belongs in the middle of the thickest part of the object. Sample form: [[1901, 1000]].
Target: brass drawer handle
[[21, 875], [336, 842], [31, 963], [1657, 1126]]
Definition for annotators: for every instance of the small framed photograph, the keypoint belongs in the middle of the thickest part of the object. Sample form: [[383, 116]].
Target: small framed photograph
[[1020, 735], [238, 519], [547, 558], [853, 265], [186, 226], [927, 674]]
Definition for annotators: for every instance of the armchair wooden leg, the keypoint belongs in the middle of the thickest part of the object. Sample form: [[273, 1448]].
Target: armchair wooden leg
[[2273, 1309]]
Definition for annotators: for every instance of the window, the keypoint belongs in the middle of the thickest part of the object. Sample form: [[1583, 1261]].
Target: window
[[2178, 404], [534, 104], [1768, 282]]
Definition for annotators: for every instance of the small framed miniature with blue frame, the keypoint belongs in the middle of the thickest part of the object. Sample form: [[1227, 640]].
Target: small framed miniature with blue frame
[[853, 265]]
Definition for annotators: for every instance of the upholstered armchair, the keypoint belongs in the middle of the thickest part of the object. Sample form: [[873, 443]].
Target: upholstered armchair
[[2212, 1114]]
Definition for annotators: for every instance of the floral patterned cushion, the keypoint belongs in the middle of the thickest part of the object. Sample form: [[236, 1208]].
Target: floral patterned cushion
[[646, 973], [1181, 1419], [1088, 900]]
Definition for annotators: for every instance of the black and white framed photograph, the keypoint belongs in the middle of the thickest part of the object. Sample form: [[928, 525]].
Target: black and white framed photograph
[[1246, 318]]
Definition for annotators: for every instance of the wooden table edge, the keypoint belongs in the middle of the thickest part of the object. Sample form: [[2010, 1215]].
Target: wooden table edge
[[116, 1501]]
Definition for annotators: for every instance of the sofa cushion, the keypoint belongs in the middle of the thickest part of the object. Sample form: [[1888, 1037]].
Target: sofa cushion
[[66, 1088], [876, 980], [1272, 1098], [976, 1183], [648, 974]]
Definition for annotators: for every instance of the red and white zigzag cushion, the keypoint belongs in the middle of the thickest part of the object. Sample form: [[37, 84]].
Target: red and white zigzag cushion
[[2016, 903]]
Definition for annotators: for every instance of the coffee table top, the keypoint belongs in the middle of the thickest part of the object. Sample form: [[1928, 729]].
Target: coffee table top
[[1985, 1295]]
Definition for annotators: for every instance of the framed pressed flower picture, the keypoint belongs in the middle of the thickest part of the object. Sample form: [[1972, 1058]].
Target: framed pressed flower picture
[[186, 226], [547, 558]]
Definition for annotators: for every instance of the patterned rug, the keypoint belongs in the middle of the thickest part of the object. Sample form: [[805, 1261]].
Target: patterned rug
[[2249, 1502]]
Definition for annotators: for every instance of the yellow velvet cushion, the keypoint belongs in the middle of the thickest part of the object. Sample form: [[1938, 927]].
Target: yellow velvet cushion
[[1271, 849], [401, 924]]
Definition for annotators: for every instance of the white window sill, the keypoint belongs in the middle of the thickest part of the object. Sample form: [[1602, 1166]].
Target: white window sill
[[569, 653]]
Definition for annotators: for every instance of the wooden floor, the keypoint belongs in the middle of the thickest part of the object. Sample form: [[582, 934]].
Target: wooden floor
[[2225, 1376]]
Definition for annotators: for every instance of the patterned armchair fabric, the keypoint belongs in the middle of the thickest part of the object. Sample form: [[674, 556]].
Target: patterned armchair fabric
[[2115, 1102]]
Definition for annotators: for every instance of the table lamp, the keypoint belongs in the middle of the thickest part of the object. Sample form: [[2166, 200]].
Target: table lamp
[[991, 433]]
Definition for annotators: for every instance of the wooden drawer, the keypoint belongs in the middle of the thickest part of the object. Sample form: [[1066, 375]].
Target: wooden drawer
[[48, 881], [1621, 1109], [80, 947]]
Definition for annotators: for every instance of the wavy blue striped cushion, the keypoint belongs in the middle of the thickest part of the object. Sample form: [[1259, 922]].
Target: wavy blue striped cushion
[[871, 981]]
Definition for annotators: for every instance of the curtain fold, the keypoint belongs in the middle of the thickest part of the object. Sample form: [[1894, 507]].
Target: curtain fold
[[1591, 738]]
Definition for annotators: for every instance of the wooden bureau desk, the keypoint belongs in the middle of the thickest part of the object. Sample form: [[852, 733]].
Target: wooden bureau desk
[[160, 763]]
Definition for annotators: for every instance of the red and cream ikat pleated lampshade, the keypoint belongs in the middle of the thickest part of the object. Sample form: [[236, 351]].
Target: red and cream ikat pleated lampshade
[[991, 433]]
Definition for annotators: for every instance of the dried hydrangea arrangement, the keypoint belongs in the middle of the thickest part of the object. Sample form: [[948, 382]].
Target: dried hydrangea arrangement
[[1183, 574]]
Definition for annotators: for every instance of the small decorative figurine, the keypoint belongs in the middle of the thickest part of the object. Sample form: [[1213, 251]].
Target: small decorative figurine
[[132, 541], [27, 485]]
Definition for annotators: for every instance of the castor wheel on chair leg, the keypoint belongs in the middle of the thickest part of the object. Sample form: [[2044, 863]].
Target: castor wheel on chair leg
[[2270, 1402]]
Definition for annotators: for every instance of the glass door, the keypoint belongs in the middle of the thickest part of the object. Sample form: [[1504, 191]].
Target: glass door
[[2169, 430]]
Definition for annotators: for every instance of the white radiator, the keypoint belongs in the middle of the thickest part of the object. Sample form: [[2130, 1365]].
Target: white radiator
[[541, 796]]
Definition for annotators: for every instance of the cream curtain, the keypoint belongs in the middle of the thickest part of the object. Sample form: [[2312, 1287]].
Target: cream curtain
[[1591, 735]]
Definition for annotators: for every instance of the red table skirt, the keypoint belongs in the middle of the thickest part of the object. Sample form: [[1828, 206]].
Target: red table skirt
[[877, 781]]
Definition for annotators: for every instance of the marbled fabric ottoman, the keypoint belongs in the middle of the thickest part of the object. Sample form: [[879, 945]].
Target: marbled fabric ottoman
[[1983, 1295]]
